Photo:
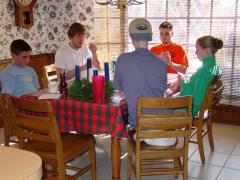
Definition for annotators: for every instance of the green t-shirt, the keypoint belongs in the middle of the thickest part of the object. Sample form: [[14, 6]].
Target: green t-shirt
[[199, 81]]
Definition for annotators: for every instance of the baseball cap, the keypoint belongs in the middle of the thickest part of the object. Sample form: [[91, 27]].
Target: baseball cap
[[140, 29]]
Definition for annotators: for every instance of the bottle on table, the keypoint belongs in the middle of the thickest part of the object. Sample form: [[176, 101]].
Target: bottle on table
[[63, 84]]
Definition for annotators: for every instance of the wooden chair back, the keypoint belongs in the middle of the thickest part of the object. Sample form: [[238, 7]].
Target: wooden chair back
[[217, 87], [4, 110], [175, 124], [212, 96], [28, 125], [2, 105], [49, 74], [148, 159], [35, 125], [1, 115]]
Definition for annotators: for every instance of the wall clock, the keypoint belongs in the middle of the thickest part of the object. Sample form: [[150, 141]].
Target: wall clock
[[24, 13]]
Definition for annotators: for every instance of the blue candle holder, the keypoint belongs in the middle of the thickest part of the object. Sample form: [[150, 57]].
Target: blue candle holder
[[77, 72], [89, 65], [106, 71]]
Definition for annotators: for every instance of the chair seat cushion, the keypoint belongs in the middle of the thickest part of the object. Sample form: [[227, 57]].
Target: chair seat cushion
[[159, 141]]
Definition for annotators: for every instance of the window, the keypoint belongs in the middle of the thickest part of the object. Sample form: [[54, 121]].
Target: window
[[191, 19], [107, 25]]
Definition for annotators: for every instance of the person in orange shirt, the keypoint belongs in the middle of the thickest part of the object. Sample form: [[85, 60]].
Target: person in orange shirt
[[179, 61]]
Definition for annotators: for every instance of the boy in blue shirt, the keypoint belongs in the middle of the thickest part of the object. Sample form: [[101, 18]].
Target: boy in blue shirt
[[18, 79], [141, 73]]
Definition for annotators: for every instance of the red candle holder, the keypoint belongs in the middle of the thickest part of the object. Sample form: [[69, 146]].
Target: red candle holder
[[98, 88]]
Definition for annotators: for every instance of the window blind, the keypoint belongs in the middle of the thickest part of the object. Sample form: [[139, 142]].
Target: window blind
[[107, 30], [191, 19]]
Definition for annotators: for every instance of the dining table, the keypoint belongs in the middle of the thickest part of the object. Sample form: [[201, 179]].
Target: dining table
[[83, 116]]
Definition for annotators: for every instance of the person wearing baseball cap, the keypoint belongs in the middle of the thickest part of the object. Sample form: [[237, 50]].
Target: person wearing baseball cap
[[140, 72]]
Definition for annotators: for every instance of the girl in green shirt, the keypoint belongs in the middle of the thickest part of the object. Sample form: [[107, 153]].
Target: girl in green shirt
[[206, 48]]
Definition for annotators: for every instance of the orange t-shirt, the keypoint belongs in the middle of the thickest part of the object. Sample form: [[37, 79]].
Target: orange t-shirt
[[178, 55]]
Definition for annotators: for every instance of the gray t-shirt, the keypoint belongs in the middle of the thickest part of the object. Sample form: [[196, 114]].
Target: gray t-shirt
[[140, 73]]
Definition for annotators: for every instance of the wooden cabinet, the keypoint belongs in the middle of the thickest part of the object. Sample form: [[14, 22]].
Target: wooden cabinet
[[38, 61], [227, 113]]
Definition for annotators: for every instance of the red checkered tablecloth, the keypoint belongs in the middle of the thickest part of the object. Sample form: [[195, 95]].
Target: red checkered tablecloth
[[88, 118]]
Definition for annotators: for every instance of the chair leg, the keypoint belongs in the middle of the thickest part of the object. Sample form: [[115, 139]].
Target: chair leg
[[61, 170], [138, 177], [200, 143], [129, 161], [6, 132], [129, 169], [6, 137], [185, 161], [210, 134], [185, 174], [176, 165], [20, 143], [92, 159]]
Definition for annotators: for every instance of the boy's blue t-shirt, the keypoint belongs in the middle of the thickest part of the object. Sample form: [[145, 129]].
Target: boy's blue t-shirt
[[18, 80], [140, 73]]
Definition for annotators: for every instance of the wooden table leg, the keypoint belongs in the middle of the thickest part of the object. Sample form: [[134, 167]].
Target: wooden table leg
[[116, 162]]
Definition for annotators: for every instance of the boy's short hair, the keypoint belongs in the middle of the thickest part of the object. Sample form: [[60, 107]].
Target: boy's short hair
[[76, 28], [166, 24], [19, 45]]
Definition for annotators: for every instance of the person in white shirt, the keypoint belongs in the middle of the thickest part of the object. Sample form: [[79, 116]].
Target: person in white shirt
[[75, 53]]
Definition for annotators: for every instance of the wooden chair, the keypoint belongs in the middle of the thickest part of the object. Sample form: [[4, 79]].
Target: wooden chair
[[41, 135], [202, 124], [49, 74], [1, 118], [144, 159], [8, 137], [3, 110]]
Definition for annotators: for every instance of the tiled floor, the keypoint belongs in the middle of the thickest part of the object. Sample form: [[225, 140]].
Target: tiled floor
[[222, 164]]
